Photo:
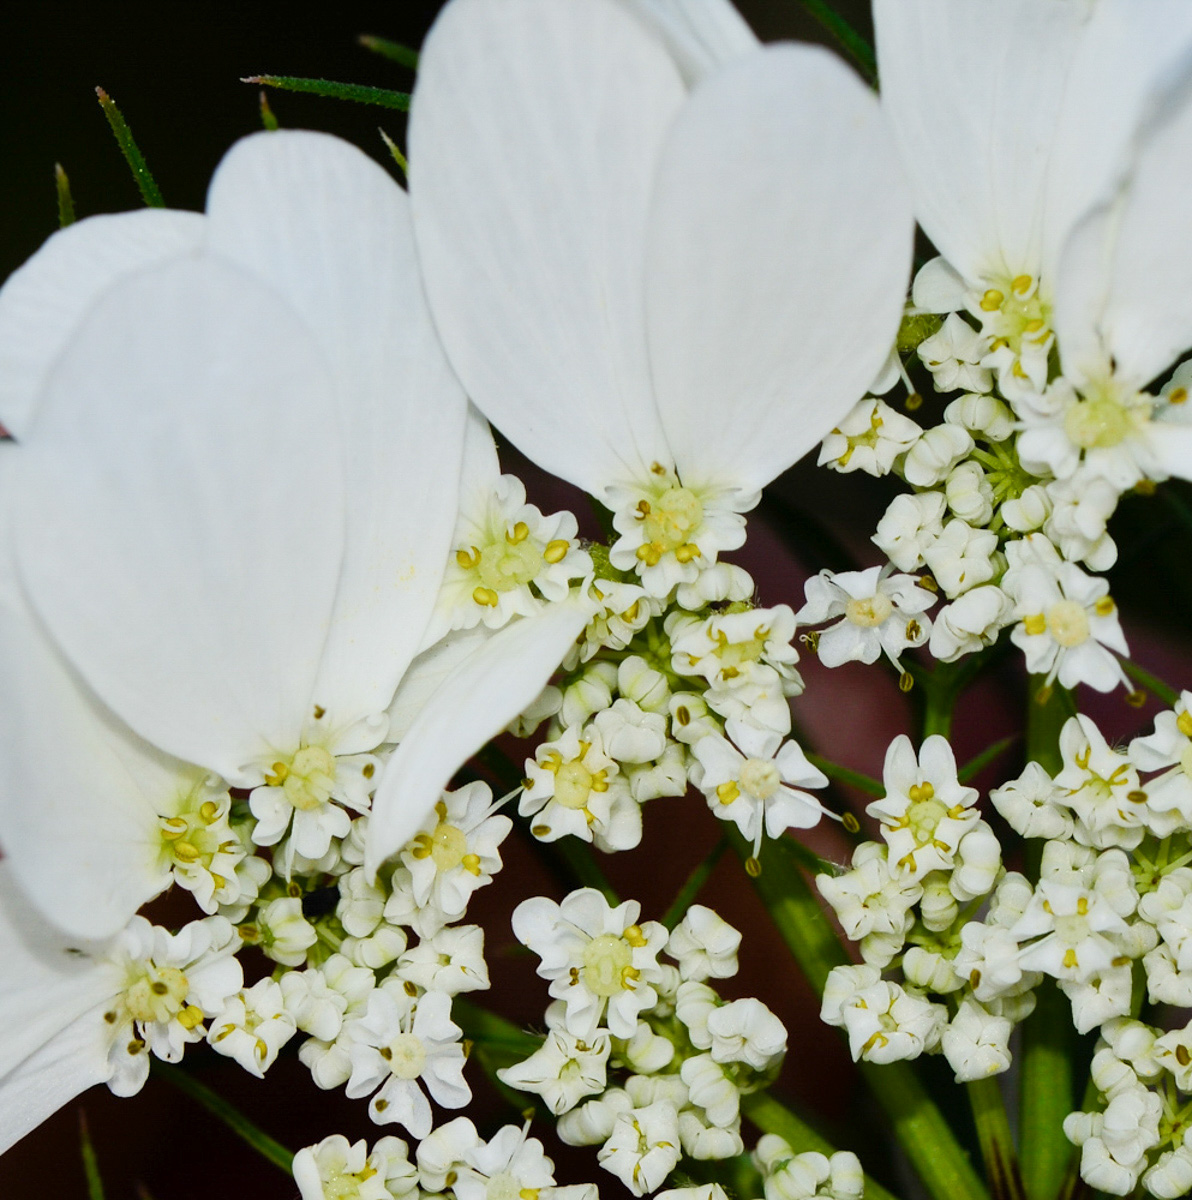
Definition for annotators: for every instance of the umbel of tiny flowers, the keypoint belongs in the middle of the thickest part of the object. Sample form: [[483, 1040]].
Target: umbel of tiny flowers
[[668, 338], [291, 608]]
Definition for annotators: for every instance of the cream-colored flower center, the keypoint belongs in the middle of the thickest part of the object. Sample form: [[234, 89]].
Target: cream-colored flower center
[[1072, 928], [608, 965], [1068, 622], [509, 564], [503, 1186], [156, 993], [448, 846], [672, 517], [308, 779], [192, 835], [1013, 312], [924, 813], [345, 1185], [760, 778], [407, 1056], [869, 612], [573, 784], [1105, 416]]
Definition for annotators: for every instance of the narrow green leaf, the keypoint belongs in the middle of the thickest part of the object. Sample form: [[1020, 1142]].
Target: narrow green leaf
[[691, 888], [995, 1138], [851, 42], [269, 121], [397, 156], [978, 763], [90, 1162], [330, 90], [1048, 1044], [66, 209], [863, 783], [771, 1116], [1152, 683], [150, 192], [393, 51], [1047, 708], [231, 1116]]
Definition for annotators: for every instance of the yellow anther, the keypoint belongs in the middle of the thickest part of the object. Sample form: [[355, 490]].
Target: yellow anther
[[208, 811], [634, 936], [643, 509], [471, 863], [686, 552], [421, 846], [368, 770], [850, 822], [1017, 371], [649, 554], [992, 300], [410, 988], [1070, 959], [518, 534], [1137, 796], [1034, 624], [1082, 757], [752, 867], [540, 830], [1177, 395], [877, 1039], [1082, 906], [727, 792], [629, 976], [173, 827], [843, 459], [683, 715], [190, 1016], [280, 774], [998, 343], [1047, 907], [928, 582], [1182, 1056], [528, 1194], [1184, 723], [556, 551], [919, 792], [441, 810], [630, 614], [906, 681], [185, 852], [1033, 326], [913, 629], [599, 781], [320, 712], [467, 561], [552, 763], [218, 881], [486, 597], [1105, 606], [657, 468], [1136, 699], [912, 402], [1021, 284], [975, 978]]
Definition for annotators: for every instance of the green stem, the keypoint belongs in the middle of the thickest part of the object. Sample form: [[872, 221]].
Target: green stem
[[851, 42], [231, 1116], [150, 192], [393, 51], [863, 783], [925, 1136], [66, 208], [976, 765], [691, 888], [90, 1162], [1047, 1083], [1152, 683], [772, 1116], [995, 1138]]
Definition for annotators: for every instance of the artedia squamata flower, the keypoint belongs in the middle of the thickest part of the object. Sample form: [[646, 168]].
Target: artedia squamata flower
[[666, 337]]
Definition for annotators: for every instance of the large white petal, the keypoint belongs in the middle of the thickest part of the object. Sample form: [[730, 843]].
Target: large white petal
[[427, 672], [974, 92], [180, 517], [43, 301], [327, 228], [64, 1067], [47, 983], [701, 34], [473, 704], [1124, 292], [533, 138], [775, 281]]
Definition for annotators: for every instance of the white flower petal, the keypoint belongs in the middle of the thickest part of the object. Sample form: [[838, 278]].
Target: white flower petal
[[700, 34], [534, 134], [775, 280], [327, 228], [974, 92], [179, 519], [43, 301], [474, 703]]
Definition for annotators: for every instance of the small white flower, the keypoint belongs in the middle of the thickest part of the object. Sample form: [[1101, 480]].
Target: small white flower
[[598, 958], [1031, 805], [807, 1176], [884, 1022], [253, 1027], [335, 1169], [1080, 508], [281, 931], [746, 1031], [879, 613], [869, 439], [704, 945], [984, 416], [970, 623], [643, 1147], [1075, 928], [969, 493], [909, 526], [563, 1071], [870, 899], [962, 557], [954, 356], [1101, 788], [1168, 750], [451, 961]]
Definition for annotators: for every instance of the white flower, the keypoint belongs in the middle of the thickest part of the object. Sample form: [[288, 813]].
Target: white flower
[[398, 1042], [879, 613], [335, 1169], [969, 493], [1032, 805], [983, 416], [508, 1164], [624, 384], [1101, 788], [451, 961], [869, 439], [746, 1031], [1114, 1143], [643, 1147], [969, 623], [1169, 751], [563, 1071], [253, 1027], [319, 998], [1075, 928], [1080, 508], [871, 900], [884, 1022], [760, 783], [954, 356], [961, 557], [282, 932], [598, 958], [909, 526], [807, 1176], [704, 945]]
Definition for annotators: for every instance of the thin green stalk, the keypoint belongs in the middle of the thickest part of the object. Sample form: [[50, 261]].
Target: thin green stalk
[[231, 1116], [150, 192], [268, 119], [1152, 683], [939, 700], [90, 1162], [691, 888], [1047, 1035], [394, 153], [394, 51], [863, 783], [66, 208], [978, 763], [924, 1134], [331, 90], [851, 42], [995, 1138], [772, 1116]]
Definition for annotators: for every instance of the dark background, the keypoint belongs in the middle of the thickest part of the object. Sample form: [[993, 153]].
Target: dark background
[[174, 69]]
